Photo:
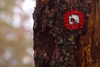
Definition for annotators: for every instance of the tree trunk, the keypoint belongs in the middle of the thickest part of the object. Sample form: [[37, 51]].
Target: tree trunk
[[58, 45]]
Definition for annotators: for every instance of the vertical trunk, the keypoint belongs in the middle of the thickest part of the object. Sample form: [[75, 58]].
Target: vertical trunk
[[89, 42], [99, 32], [56, 46]]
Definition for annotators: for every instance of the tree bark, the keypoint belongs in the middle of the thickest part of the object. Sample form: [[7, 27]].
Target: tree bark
[[50, 49]]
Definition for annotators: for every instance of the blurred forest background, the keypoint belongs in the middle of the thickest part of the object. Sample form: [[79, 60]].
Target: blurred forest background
[[16, 41]]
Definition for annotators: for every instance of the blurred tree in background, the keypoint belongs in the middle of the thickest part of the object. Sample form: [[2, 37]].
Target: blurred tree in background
[[16, 33]]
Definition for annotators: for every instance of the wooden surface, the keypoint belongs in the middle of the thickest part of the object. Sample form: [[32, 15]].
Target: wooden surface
[[89, 51], [89, 42]]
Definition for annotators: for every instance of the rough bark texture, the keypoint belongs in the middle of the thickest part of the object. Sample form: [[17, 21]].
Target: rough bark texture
[[89, 42], [46, 50]]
